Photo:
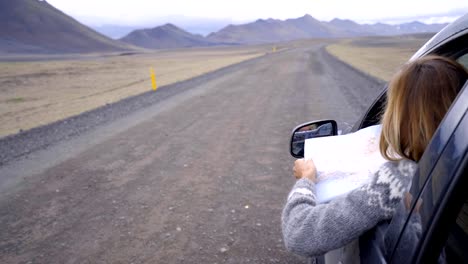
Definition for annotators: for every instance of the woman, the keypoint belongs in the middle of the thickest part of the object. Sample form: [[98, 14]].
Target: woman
[[418, 97]]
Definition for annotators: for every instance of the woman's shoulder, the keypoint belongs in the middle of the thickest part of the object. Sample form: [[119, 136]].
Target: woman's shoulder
[[397, 169], [389, 184]]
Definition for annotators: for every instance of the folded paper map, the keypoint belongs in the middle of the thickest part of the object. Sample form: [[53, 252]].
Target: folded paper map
[[344, 162]]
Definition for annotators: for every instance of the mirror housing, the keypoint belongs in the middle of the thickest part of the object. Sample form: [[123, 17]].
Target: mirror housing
[[314, 129]]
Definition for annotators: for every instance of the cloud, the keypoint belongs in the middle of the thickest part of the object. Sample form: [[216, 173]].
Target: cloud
[[445, 17]]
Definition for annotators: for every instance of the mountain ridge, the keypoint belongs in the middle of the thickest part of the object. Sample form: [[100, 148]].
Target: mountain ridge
[[309, 27], [269, 31], [165, 36], [35, 26], [32, 26]]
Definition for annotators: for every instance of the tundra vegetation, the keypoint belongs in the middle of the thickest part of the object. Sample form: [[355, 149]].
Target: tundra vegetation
[[36, 93], [378, 56]]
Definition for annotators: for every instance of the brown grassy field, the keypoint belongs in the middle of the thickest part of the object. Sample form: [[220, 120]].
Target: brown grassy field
[[41, 92], [378, 56]]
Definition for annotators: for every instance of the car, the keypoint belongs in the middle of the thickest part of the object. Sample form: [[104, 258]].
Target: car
[[441, 179]]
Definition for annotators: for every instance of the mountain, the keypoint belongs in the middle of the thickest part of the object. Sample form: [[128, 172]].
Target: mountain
[[418, 27], [260, 31], [382, 29], [273, 30], [163, 37], [34, 26], [309, 26], [346, 27]]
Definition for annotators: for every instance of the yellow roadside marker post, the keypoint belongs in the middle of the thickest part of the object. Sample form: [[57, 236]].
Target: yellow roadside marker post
[[153, 79]]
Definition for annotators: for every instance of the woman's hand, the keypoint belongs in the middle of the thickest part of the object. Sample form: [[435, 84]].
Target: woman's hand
[[305, 169]]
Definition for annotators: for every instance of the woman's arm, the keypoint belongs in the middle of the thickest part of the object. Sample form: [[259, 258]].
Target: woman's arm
[[311, 230]]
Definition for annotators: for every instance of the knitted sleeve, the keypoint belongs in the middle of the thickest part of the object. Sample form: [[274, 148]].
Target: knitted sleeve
[[311, 230]]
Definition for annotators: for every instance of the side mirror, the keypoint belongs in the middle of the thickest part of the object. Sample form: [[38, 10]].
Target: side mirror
[[322, 128]]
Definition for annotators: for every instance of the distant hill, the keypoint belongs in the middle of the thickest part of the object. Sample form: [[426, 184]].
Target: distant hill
[[273, 30], [309, 26], [270, 30], [418, 27], [346, 27], [166, 36], [33, 26]]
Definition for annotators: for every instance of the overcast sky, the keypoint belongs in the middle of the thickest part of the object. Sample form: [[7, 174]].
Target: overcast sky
[[210, 15]]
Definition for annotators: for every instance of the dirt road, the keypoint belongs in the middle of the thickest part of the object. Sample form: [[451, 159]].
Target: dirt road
[[200, 177]]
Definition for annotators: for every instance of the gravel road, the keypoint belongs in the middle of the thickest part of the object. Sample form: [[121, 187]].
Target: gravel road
[[197, 172]]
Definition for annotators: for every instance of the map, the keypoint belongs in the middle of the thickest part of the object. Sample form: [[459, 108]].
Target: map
[[344, 162]]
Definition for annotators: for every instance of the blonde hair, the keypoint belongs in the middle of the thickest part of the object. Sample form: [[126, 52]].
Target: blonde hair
[[418, 97]]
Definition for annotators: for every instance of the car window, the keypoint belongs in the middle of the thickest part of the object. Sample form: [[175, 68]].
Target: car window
[[463, 60], [456, 247]]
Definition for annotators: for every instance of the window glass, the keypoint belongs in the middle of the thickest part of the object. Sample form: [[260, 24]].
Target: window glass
[[456, 247], [463, 60]]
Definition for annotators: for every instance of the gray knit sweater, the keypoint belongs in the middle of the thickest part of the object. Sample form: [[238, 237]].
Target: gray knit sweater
[[311, 230]]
